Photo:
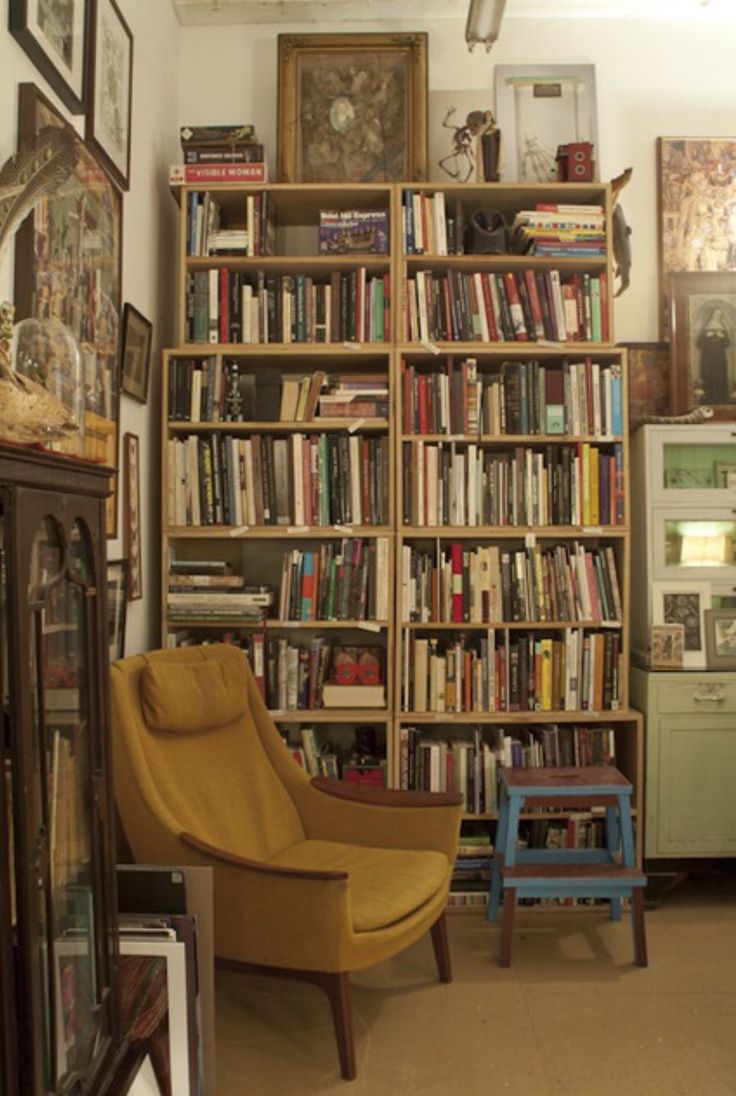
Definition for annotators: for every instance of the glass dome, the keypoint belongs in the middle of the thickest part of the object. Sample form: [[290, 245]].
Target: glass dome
[[46, 352]]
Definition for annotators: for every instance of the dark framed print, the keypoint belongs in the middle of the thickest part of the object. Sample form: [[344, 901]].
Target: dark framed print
[[720, 639], [132, 510], [54, 35], [684, 602], [135, 353], [352, 108], [68, 268], [649, 380], [111, 89], [116, 599], [703, 343], [696, 189]]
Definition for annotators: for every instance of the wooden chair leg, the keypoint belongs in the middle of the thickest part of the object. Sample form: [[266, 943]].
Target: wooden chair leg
[[507, 926], [337, 987], [441, 949], [637, 924]]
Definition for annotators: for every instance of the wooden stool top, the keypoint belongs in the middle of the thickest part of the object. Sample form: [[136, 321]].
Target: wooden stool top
[[601, 779]]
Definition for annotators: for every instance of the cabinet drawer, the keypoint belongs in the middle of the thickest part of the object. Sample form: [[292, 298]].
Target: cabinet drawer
[[700, 695]]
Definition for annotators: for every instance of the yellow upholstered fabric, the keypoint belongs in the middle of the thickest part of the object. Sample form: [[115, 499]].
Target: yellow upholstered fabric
[[385, 885], [209, 694]]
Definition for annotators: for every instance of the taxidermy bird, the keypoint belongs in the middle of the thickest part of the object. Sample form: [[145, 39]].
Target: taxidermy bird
[[28, 413], [621, 233]]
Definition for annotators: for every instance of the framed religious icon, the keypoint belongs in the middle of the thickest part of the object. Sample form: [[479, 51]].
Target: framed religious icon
[[132, 521], [696, 189], [54, 35], [67, 268], [111, 89], [352, 108], [135, 353], [703, 343]]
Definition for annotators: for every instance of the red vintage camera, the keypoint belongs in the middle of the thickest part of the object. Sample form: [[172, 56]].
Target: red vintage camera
[[575, 162]]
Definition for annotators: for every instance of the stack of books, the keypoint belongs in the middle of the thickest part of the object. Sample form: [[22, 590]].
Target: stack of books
[[560, 231], [355, 395], [219, 154], [207, 590]]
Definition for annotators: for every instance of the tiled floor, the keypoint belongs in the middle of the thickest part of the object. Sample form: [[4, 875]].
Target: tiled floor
[[572, 1015]]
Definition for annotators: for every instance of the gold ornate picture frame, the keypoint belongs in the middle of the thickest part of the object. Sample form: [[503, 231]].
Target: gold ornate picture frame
[[352, 108]]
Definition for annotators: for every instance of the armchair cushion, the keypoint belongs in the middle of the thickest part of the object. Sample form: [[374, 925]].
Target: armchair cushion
[[385, 885], [207, 694]]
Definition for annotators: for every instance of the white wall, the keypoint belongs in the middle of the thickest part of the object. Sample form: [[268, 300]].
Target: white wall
[[149, 246], [653, 80]]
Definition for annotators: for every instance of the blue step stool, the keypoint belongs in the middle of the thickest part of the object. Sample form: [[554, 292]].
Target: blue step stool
[[609, 873]]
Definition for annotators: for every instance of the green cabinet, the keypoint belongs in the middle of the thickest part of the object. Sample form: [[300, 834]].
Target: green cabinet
[[690, 762]]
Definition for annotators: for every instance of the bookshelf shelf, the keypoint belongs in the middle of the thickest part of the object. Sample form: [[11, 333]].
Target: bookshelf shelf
[[593, 418]]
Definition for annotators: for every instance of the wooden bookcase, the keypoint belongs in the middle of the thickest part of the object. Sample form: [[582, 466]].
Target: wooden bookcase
[[258, 550]]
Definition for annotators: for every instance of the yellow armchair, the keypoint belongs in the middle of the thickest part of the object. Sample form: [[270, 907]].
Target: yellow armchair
[[313, 878]]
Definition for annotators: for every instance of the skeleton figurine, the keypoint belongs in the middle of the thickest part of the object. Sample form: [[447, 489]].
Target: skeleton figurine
[[460, 163], [234, 397]]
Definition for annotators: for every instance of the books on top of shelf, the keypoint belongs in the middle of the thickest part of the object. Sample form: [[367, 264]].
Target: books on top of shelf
[[353, 230], [203, 173], [243, 133]]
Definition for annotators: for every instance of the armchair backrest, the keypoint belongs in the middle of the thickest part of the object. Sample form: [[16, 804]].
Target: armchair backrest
[[197, 752]]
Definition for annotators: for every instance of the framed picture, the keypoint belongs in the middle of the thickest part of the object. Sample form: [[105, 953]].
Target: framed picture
[[720, 639], [684, 603], [132, 524], [352, 108], [696, 191], [116, 599], [649, 380], [457, 122], [724, 474], [539, 108], [111, 89], [54, 35], [135, 353], [667, 645], [67, 267], [703, 340]]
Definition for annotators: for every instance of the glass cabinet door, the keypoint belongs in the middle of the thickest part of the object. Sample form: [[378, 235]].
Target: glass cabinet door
[[63, 711], [694, 544], [697, 470]]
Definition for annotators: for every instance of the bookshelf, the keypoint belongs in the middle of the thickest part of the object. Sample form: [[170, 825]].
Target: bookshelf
[[503, 453]]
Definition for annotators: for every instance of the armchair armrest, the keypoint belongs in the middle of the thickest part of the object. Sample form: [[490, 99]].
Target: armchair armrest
[[258, 865], [385, 797]]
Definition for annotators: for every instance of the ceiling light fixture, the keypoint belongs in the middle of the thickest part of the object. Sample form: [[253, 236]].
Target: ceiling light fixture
[[484, 22]]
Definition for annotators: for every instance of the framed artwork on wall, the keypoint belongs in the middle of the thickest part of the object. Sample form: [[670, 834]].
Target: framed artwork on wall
[[54, 35], [132, 524], [116, 599], [352, 108], [539, 108], [684, 603], [703, 342], [111, 89], [649, 380], [135, 353], [720, 639], [696, 198], [67, 267]]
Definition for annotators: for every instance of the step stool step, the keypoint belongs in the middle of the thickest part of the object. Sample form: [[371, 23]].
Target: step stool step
[[595, 873]]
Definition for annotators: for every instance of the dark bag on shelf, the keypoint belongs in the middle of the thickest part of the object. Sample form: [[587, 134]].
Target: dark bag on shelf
[[487, 234]]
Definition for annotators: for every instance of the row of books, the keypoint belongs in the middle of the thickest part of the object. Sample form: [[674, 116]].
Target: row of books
[[509, 306], [345, 581], [251, 231], [514, 397], [299, 481], [560, 232], [470, 765], [510, 671], [69, 850], [231, 306], [459, 584], [458, 483], [322, 674], [428, 227]]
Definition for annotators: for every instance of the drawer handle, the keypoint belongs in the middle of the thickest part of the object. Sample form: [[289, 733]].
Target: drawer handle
[[709, 693]]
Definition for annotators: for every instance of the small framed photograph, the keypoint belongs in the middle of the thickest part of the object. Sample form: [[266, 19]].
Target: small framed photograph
[[725, 474], [132, 503], [649, 380], [54, 35], [352, 108], [703, 337], [720, 639], [116, 599], [667, 646], [135, 353], [539, 108], [111, 89], [684, 603]]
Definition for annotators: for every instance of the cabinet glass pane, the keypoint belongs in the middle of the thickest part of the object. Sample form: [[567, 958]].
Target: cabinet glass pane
[[699, 543], [698, 467]]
